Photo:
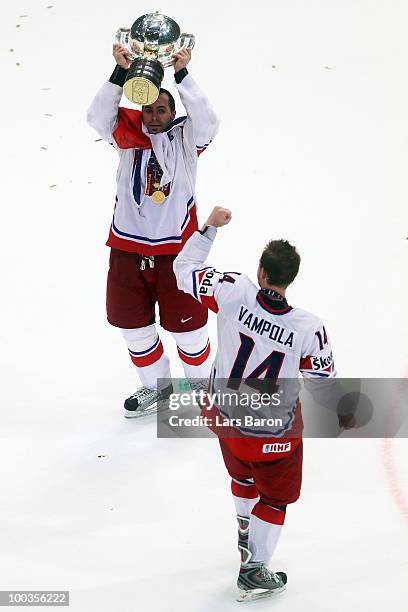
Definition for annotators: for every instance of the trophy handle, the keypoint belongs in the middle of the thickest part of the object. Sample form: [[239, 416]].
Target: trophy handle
[[122, 37], [187, 41]]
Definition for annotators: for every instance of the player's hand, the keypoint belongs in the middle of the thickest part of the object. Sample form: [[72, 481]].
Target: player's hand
[[121, 55], [220, 216], [181, 59], [346, 421]]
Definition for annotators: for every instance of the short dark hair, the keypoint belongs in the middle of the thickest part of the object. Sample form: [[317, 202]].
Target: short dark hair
[[172, 103], [281, 262]]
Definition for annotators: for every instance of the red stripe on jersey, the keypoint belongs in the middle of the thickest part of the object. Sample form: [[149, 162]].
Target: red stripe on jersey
[[191, 227], [150, 358], [305, 363], [195, 360], [269, 514], [209, 302], [133, 246], [239, 490]]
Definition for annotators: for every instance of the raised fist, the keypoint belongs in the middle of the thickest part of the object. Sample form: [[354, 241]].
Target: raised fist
[[219, 216]]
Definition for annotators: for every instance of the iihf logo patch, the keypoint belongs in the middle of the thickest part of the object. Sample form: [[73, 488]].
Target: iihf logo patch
[[277, 447]]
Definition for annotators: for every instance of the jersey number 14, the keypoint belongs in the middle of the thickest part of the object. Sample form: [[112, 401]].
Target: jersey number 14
[[271, 366]]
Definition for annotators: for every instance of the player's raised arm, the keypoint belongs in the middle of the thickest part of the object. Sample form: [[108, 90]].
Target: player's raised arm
[[202, 121], [193, 274], [103, 112]]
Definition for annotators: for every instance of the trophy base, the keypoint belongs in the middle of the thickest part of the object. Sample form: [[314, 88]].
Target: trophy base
[[142, 85], [141, 91]]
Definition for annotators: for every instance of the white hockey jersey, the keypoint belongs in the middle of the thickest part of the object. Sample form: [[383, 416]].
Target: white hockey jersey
[[139, 225], [258, 338]]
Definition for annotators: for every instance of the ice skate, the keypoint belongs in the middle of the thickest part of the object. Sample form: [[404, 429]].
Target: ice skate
[[198, 384], [200, 387], [146, 401], [256, 581]]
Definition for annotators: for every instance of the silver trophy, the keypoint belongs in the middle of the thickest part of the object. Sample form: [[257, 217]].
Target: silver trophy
[[151, 42]]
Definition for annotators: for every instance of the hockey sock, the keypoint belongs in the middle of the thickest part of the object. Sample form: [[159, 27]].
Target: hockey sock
[[146, 352], [194, 351], [265, 527], [245, 496]]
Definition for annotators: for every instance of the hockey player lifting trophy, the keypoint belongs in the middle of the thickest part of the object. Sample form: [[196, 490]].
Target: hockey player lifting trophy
[[155, 210], [151, 41]]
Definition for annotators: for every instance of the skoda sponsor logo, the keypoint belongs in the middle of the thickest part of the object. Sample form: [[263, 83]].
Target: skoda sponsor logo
[[320, 363], [206, 281]]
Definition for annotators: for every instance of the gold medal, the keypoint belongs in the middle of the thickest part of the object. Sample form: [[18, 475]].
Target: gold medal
[[158, 197]]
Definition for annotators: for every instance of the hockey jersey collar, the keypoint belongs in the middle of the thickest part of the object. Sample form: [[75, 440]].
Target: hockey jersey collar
[[176, 122], [273, 302]]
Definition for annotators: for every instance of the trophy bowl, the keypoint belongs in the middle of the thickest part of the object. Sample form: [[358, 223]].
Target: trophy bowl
[[151, 41]]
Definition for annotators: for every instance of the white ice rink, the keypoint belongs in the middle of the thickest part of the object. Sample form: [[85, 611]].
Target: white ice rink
[[313, 147]]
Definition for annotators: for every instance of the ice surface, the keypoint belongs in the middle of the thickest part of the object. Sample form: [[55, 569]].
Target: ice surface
[[313, 148]]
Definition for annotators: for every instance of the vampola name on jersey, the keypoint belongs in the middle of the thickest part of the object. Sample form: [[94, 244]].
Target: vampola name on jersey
[[266, 328], [207, 279]]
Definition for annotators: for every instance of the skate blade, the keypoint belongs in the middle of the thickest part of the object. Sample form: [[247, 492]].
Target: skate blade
[[137, 414], [245, 596], [160, 406]]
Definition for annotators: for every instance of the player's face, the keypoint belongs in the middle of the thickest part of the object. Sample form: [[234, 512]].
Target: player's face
[[158, 115]]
